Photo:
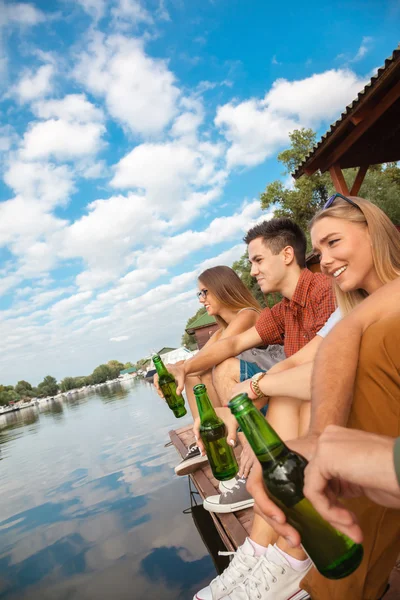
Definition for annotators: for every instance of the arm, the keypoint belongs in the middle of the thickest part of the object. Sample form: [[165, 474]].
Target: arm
[[339, 468], [215, 354], [332, 388], [302, 356]]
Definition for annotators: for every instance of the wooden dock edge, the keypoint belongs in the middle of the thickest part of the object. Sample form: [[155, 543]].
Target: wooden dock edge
[[228, 525]]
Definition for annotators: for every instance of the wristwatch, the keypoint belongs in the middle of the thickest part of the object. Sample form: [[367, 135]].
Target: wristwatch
[[254, 384]]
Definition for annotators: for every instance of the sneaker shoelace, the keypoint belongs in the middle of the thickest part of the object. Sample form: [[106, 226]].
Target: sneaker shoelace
[[235, 572], [235, 487], [259, 582], [191, 449]]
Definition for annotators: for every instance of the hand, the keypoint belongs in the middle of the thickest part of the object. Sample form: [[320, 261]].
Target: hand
[[178, 371], [247, 458], [350, 463], [231, 425], [265, 507], [155, 383], [243, 388]]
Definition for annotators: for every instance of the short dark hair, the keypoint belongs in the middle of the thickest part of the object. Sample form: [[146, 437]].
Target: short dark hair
[[279, 233]]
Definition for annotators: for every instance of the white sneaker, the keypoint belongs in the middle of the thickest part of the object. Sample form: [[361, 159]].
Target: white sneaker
[[271, 578], [238, 569]]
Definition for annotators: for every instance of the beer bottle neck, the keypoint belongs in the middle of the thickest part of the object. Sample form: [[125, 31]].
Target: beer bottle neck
[[265, 442], [159, 366], [206, 410]]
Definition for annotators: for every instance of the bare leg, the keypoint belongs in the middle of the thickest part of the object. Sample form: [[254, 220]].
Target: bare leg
[[191, 381], [284, 416], [225, 376]]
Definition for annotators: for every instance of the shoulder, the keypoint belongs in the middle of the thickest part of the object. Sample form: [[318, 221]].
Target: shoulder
[[320, 284]]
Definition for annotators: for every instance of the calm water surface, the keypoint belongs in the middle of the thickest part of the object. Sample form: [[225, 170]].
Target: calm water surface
[[90, 506]]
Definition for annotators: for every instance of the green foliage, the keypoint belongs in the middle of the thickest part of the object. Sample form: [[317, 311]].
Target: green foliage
[[189, 340], [8, 394], [24, 389], [48, 387], [115, 367], [101, 374]]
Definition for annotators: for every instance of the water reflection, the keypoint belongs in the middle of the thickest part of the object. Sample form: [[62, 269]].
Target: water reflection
[[90, 505]]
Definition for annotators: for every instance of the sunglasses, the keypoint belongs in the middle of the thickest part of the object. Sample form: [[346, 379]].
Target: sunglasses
[[332, 199], [202, 294]]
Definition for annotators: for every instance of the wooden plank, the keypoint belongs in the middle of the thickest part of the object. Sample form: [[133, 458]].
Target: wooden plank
[[338, 179], [383, 105], [228, 525], [355, 188]]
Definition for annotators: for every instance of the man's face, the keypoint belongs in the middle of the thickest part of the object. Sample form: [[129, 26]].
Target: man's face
[[269, 269]]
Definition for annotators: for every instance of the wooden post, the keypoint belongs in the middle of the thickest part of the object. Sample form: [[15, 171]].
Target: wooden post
[[355, 188], [338, 179]]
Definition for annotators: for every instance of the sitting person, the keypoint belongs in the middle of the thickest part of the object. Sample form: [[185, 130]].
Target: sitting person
[[224, 296], [360, 250]]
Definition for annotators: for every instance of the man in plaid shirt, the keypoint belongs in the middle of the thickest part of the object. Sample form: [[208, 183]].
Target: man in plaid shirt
[[277, 252]]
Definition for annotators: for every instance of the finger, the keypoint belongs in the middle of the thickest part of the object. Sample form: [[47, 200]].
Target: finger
[[271, 513], [246, 468], [232, 432]]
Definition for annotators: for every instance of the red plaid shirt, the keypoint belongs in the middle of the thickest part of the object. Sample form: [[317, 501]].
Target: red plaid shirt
[[293, 323]]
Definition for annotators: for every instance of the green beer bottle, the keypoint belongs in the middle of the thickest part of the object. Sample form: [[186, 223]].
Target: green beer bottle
[[213, 433], [334, 554], [166, 381]]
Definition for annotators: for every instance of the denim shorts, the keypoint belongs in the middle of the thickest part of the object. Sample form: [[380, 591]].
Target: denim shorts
[[247, 370]]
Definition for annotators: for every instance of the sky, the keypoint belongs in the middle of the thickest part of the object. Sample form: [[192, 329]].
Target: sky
[[135, 139]]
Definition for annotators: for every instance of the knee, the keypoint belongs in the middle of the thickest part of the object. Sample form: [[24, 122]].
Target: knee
[[228, 369]]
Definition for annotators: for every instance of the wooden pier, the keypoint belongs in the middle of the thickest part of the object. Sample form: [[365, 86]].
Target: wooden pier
[[233, 528]]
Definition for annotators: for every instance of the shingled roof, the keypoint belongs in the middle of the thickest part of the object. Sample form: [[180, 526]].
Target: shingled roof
[[367, 132]]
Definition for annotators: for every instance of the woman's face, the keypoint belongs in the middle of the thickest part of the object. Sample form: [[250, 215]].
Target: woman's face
[[208, 299], [346, 254]]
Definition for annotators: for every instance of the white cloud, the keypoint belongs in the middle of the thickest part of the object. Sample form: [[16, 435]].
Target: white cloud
[[139, 91], [61, 139], [315, 98], [258, 128], [131, 11], [34, 85], [95, 8], [44, 183], [120, 338], [253, 132], [364, 48], [20, 13], [73, 107]]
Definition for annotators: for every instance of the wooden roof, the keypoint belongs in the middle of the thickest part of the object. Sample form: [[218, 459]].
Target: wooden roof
[[368, 131]]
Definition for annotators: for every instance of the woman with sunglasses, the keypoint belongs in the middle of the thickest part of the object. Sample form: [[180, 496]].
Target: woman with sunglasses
[[359, 248]]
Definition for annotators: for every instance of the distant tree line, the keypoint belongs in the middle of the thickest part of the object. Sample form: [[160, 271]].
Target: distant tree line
[[50, 387]]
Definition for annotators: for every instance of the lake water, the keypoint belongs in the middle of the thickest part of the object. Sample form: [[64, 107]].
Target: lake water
[[90, 506]]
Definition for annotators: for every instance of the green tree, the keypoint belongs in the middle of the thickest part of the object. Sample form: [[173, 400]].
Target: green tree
[[7, 395], [128, 365], [189, 340], [68, 383], [115, 368], [309, 193], [24, 389], [101, 374], [48, 387]]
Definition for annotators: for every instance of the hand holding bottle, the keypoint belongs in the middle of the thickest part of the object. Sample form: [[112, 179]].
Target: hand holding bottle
[[231, 425]]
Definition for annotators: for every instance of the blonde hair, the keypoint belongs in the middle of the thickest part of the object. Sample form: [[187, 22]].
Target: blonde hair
[[385, 243], [229, 289]]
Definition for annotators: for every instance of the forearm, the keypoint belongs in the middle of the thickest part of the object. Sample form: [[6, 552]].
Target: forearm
[[209, 357], [334, 374], [295, 382]]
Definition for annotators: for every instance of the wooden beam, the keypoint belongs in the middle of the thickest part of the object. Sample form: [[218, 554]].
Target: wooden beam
[[355, 188], [338, 179], [365, 124]]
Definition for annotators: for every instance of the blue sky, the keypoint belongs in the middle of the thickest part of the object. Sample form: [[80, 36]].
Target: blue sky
[[135, 139]]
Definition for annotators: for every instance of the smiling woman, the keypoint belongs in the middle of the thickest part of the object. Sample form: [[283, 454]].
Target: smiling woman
[[359, 247]]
